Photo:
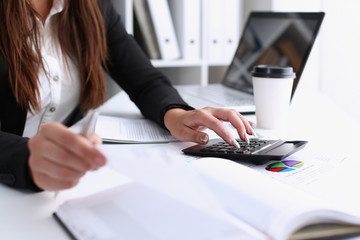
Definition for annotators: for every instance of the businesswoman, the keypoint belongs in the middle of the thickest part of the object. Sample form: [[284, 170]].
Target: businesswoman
[[52, 57]]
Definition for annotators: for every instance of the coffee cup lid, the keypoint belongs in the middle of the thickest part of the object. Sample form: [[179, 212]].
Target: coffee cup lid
[[268, 71]]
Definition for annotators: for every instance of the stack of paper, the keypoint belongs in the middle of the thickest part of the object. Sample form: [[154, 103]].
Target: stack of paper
[[127, 130]]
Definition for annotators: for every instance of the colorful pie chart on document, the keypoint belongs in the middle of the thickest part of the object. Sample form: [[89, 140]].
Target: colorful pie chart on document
[[284, 166]]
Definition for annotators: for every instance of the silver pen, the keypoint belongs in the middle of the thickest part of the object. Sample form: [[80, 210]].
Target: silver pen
[[87, 128]]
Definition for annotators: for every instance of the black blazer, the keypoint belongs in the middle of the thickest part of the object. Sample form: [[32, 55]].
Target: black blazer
[[128, 66]]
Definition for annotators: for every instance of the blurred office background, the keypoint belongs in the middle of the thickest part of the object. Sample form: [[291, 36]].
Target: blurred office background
[[334, 64]]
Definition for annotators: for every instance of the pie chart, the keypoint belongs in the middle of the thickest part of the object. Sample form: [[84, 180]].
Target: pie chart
[[284, 166]]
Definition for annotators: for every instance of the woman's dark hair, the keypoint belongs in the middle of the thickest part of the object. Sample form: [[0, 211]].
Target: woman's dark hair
[[81, 34]]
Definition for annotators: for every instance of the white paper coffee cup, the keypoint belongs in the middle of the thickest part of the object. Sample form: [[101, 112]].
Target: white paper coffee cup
[[272, 92]]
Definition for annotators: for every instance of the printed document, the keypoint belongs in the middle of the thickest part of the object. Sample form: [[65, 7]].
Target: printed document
[[131, 130]]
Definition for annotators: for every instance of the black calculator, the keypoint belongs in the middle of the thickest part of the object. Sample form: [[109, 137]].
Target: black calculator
[[259, 151]]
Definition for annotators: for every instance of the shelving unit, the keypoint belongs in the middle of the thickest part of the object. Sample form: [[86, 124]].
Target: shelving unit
[[181, 71]]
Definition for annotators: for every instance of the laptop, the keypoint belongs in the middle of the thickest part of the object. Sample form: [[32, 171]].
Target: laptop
[[271, 38]]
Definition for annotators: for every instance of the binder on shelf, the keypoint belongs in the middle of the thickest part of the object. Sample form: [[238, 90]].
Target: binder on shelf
[[214, 30], [187, 22], [144, 29], [222, 29], [232, 25], [164, 29]]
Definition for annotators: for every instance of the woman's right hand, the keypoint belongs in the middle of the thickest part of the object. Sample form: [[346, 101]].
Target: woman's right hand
[[59, 158]]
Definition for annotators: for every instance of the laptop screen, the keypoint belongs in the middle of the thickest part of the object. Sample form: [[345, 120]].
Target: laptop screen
[[273, 38]]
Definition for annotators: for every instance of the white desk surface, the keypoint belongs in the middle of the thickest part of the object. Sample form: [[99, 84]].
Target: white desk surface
[[316, 119]]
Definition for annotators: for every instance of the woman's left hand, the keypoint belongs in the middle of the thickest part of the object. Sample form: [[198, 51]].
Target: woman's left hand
[[189, 125]]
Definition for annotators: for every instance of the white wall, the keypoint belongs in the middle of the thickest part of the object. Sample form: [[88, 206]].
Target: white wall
[[340, 65]]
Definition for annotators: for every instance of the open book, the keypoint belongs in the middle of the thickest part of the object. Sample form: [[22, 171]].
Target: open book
[[210, 198], [131, 130], [274, 208]]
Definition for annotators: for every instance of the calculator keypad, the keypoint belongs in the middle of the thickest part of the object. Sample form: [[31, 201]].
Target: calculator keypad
[[259, 151], [225, 148]]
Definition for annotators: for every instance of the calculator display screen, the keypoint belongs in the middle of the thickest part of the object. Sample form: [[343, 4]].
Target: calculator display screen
[[282, 149]]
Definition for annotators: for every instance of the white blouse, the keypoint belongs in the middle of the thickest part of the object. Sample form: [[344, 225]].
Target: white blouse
[[60, 85]]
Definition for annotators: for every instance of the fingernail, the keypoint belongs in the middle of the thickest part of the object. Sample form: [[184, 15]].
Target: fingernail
[[253, 132], [246, 138], [204, 138], [235, 143]]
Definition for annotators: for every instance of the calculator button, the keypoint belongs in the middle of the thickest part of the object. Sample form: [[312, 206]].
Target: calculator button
[[239, 151]]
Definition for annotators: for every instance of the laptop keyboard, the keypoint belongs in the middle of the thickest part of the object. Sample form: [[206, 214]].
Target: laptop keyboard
[[220, 95]]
